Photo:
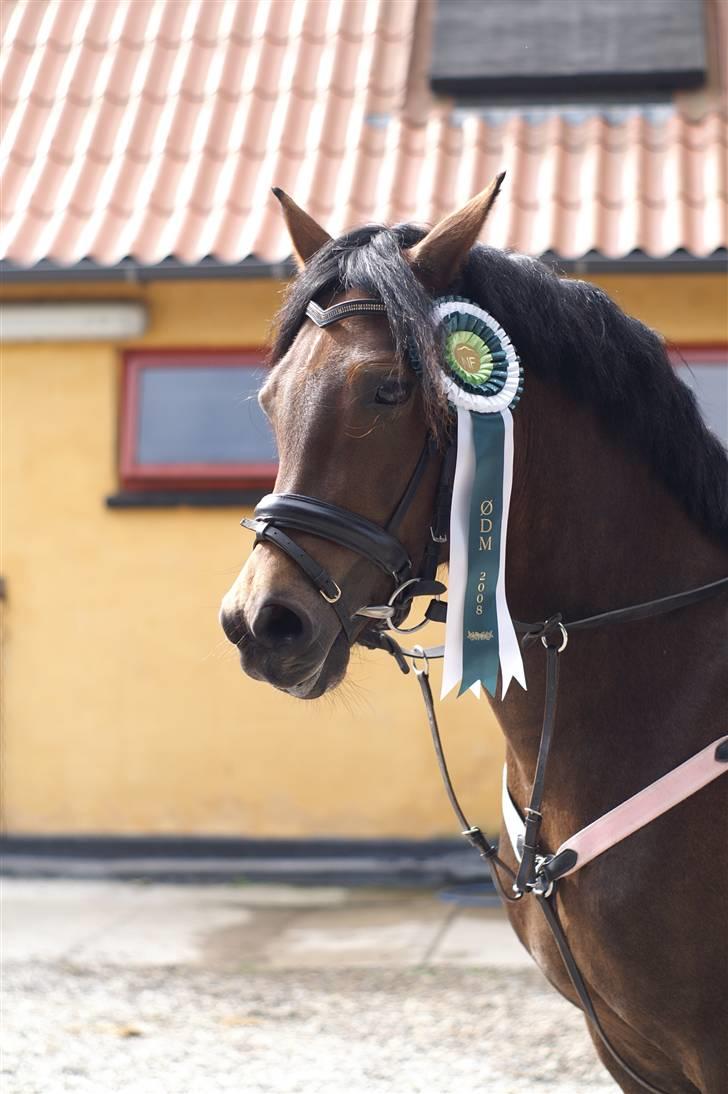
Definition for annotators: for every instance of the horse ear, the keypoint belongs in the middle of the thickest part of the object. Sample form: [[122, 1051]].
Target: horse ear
[[306, 235], [440, 254]]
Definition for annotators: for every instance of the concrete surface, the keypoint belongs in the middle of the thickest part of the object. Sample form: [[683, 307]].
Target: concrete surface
[[229, 927], [120, 988]]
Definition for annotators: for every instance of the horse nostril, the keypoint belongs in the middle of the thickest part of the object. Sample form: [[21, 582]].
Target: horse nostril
[[233, 625], [277, 625]]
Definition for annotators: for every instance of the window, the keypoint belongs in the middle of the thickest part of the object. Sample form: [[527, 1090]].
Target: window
[[190, 420], [541, 47], [705, 370]]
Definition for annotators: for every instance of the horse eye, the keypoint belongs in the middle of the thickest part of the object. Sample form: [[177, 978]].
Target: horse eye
[[393, 392]]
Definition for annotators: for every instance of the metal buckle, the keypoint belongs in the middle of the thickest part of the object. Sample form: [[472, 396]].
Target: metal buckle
[[332, 599], [542, 885], [564, 638], [437, 539]]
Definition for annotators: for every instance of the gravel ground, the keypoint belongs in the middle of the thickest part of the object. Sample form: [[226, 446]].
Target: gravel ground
[[105, 1030]]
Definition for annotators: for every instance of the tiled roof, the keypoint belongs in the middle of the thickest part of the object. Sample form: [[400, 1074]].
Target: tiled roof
[[150, 128]]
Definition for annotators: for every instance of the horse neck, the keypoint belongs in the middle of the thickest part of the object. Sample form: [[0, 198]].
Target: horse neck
[[592, 529]]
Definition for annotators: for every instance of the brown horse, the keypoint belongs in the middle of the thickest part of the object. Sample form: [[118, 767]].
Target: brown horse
[[620, 495]]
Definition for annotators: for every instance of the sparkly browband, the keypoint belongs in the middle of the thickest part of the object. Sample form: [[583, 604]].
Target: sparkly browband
[[324, 317]]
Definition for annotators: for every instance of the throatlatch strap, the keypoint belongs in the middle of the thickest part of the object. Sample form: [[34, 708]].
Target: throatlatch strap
[[649, 609]]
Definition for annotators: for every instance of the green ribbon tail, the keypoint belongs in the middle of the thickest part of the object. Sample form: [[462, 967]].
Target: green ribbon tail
[[480, 622]]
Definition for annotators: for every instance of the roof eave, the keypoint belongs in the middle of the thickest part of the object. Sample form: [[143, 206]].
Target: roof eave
[[172, 269]]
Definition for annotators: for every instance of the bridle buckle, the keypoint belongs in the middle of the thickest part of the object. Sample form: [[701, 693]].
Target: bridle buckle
[[332, 599], [542, 885], [564, 639]]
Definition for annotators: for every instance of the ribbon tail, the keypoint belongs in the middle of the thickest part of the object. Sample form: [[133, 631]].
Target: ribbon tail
[[452, 669], [480, 620], [511, 661]]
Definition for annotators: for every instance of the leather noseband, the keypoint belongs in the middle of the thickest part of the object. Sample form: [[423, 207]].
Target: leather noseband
[[320, 518]]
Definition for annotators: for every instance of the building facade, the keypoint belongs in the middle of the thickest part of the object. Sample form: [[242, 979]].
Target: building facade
[[138, 173]]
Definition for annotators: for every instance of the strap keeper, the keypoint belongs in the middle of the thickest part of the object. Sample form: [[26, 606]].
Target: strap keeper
[[477, 840], [436, 611], [554, 623]]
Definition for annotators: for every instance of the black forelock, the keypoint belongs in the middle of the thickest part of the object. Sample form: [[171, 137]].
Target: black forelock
[[568, 332], [370, 259]]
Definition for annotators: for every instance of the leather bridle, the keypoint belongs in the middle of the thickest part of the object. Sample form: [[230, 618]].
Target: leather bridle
[[538, 872], [379, 545]]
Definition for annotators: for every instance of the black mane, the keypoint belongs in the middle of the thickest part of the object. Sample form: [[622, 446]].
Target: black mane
[[567, 331]]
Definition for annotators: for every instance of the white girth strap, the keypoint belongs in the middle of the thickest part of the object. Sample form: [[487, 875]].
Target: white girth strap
[[515, 827], [632, 814]]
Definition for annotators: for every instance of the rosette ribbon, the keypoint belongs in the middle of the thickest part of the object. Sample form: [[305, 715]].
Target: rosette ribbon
[[483, 380]]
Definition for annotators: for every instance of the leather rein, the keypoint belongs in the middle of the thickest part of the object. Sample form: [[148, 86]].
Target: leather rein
[[538, 872]]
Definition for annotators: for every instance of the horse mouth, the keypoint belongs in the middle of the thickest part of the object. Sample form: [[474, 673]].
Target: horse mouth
[[311, 688], [327, 676]]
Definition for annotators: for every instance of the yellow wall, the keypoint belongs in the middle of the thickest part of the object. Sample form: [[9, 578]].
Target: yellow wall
[[124, 709]]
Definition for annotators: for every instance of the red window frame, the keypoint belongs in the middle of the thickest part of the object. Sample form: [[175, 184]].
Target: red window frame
[[189, 476], [251, 475]]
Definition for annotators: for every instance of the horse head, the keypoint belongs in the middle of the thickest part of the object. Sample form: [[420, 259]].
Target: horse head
[[361, 428]]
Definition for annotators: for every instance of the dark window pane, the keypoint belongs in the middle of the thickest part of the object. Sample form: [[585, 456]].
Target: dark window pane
[[501, 47], [208, 414]]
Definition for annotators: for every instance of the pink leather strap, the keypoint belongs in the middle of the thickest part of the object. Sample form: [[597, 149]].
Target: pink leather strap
[[643, 807]]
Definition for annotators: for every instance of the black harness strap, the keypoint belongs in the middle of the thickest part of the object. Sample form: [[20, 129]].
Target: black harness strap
[[534, 875], [546, 904], [647, 610], [428, 451], [472, 833], [532, 632], [440, 524], [526, 870]]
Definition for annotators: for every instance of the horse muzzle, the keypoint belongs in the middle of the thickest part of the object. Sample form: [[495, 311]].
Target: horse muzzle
[[280, 644]]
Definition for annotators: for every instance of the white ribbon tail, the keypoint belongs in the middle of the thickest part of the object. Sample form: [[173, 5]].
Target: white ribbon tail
[[452, 668], [511, 662]]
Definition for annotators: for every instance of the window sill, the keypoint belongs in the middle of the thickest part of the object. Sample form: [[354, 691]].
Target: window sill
[[200, 499]]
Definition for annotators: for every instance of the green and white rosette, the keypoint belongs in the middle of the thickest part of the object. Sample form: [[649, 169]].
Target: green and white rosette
[[483, 379]]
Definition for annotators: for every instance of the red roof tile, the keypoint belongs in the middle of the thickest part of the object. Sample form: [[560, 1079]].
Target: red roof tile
[[152, 128]]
